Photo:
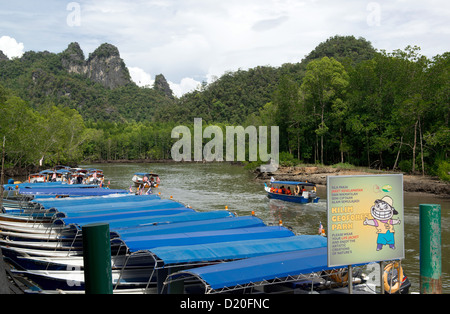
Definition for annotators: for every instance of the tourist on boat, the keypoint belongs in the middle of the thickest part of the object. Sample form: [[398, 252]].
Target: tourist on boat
[[94, 177], [283, 190], [288, 191]]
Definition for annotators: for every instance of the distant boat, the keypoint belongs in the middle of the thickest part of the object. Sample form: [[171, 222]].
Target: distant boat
[[37, 178], [94, 176], [152, 178], [292, 191]]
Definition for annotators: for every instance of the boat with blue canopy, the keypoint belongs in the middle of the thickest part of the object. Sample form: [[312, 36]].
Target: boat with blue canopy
[[146, 221], [191, 226], [226, 251], [102, 218], [300, 272], [47, 185], [107, 208], [292, 191], [113, 198], [256, 271], [141, 178], [136, 243], [37, 178], [72, 192]]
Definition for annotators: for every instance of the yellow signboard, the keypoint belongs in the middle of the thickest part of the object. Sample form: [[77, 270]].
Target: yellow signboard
[[365, 219]]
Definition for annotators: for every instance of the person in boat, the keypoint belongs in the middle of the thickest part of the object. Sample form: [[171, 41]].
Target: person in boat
[[54, 177], [94, 177], [145, 182], [288, 191], [283, 190]]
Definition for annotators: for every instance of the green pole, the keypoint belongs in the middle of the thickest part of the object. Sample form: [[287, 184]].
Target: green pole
[[430, 249], [97, 259]]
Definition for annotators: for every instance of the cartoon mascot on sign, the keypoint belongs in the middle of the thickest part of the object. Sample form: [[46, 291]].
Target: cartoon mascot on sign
[[382, 212]]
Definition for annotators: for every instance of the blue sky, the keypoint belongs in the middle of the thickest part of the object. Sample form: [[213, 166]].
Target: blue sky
[[190, 41]]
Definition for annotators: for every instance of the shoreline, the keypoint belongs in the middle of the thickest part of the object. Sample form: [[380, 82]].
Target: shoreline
[[318, 175], [315, 174]]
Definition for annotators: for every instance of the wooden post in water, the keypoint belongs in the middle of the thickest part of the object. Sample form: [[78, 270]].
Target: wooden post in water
[[430, 249], [97, 259]]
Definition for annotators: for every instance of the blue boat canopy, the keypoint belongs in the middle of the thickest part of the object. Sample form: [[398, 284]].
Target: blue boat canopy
[[48, 171], [94, 200], [267, 268], [139, 222], [111, 207], [136, 243], [194, 226], [71, 192], [293, 183], [63, 171], [117, 216], [175, 255]]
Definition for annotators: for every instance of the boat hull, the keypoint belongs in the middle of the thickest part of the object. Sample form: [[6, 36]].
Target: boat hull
[[292, 198]]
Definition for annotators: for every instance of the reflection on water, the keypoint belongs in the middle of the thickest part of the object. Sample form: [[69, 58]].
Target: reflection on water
[[208, 187]]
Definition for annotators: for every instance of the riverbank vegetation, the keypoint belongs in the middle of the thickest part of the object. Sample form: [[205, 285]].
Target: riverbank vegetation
[[345, 103]]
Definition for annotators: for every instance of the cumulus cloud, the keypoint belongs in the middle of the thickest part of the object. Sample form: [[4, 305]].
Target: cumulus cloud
[[191, 41], [143, 79], [186, 85], [10, 47], [140, 77]]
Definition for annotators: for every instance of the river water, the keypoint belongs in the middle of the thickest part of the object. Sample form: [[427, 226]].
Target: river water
[[213, 186]]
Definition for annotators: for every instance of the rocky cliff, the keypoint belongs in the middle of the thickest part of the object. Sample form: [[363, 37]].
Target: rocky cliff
[[163, 86], [104, 65]]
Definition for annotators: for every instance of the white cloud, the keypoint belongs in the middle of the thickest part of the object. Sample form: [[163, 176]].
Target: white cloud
[[186, 85], [194, 40], [10, 47], [143, 79], [140, 77]]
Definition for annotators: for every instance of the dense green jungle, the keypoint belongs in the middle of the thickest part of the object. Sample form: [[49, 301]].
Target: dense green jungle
[[344, 103]]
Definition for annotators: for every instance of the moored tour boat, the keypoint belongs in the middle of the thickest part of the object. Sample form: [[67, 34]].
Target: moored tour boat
[[139, 179], [37, 178], [292, 191]]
